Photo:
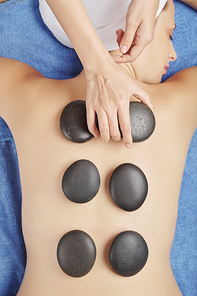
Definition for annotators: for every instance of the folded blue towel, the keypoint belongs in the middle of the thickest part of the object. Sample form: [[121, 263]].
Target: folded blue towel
[[12, 249], [24, 37]]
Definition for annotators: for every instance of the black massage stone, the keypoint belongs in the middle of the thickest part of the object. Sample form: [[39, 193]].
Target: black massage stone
[[128, 187], [142, 121], [73, 122], [81, 181], [76, 253], [128, 253]]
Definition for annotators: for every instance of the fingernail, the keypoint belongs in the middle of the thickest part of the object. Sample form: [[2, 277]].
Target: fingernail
[[96, 135], [123, 49], [128, 145]]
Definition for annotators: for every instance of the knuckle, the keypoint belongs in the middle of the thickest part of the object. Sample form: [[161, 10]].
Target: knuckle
[[103, 127], [128, 39], [125, 127], [107, 106], [132, 21], [137, 91], [123, 105], [104, 131], [115, 135]]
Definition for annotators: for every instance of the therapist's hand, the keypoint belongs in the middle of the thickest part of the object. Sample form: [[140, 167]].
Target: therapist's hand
[[140, 25], [109, 91]]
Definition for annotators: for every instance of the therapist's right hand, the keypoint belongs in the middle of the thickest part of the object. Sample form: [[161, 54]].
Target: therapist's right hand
[[109, 90]]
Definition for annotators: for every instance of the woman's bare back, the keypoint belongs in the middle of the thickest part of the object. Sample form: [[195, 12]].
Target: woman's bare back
[[44, 155]]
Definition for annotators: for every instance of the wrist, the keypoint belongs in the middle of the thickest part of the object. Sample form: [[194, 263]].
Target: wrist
[[95, 57], [101, 65]]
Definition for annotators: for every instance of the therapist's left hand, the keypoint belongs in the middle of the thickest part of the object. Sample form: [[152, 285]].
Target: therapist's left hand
[[140, 25]]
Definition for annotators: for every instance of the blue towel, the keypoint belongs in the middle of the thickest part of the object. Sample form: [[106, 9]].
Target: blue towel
[[24, 37], [12, 249], [184, 248]]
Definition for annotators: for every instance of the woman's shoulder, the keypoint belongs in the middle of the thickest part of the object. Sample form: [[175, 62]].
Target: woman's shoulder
[[180, 91], [183, 79], [183, 88], [15, 82], [15, 77], [22, 90], [25, 94], [175, 100]]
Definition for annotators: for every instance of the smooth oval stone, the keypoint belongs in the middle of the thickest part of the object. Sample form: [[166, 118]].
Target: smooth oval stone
[[128, 187], [128, 253], [76, 253], [81, 181], [73, 122], [142, 121]]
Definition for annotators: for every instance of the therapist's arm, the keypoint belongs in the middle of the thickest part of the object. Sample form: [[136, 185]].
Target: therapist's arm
[[108, 88]]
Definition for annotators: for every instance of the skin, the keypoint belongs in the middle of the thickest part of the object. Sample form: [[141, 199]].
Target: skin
[[192, 3], [32, 109], [159, 52], [140, 25], [108, 89]]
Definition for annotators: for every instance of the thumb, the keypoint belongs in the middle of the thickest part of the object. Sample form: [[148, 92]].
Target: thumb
[[127, 39]]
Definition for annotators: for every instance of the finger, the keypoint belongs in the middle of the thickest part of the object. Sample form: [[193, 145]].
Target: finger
[[128, 37], [114, 127], [90, 113], [103, 125], [125, 58], [125, 126]]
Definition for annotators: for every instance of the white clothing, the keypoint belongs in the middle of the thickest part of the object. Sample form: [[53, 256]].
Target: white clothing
[[107, 16]]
